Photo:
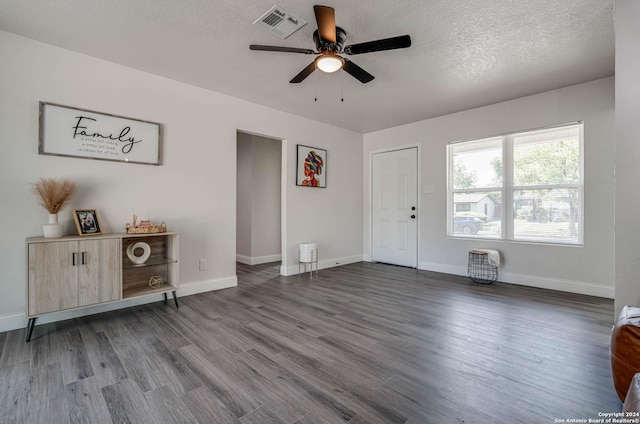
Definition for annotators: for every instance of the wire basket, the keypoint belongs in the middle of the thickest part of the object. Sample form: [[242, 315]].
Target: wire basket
[[480, 270]]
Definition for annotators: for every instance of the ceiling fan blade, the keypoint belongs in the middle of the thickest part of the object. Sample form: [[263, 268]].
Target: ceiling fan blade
[[326, 19], [280, 49], [304, 73], [356, 71], [399, 42]]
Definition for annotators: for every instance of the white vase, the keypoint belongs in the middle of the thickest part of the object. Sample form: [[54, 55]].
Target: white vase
[[52, 229]]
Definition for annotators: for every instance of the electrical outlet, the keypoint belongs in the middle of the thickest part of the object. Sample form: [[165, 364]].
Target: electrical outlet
[[202, 264]]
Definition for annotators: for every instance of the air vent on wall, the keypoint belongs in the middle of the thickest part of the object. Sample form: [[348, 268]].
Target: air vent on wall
[[280, 22]]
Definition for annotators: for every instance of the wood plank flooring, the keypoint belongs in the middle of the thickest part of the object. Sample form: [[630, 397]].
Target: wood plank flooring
[[361, 343]]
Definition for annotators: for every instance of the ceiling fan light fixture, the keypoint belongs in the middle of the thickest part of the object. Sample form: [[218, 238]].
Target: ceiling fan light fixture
[[329, 62], [329, 40]]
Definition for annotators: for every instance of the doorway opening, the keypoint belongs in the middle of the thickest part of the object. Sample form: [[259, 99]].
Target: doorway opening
[[259, 199]]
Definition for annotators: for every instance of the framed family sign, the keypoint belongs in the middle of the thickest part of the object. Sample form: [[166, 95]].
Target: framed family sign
[[311, 167], [67, 131]]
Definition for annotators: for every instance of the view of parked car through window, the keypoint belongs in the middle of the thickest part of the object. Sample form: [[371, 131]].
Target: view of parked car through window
[[466, 225]]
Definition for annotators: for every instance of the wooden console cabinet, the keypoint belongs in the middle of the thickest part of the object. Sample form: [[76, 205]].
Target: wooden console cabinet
[[75, 272]]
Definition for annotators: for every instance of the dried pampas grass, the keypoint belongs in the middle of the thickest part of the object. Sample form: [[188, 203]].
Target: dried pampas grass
[[54, 194]]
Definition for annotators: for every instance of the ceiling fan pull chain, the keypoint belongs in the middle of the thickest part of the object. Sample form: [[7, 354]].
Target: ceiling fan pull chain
[[315, 87], [342, 86]]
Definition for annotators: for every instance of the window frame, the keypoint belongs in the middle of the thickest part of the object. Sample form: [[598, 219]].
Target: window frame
[[508, 188]]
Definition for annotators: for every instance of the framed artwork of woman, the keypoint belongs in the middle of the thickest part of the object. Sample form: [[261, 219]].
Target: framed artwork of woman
[[311, 169]]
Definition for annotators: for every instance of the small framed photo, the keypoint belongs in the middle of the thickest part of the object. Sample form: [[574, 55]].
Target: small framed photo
[[87, 222], [311, 167]]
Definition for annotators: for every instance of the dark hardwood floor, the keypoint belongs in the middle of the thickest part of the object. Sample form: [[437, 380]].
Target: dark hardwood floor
[[362, 343]]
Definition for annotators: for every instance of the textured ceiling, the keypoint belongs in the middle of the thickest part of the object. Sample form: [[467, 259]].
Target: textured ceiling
[[465, 54]]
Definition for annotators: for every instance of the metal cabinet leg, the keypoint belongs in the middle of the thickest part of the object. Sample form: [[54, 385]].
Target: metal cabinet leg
[[30, 325], [175, 298]]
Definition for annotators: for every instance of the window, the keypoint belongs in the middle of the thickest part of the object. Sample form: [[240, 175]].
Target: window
[[525, 186]]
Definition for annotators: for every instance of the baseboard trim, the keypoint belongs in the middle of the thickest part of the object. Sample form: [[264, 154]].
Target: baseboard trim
[[257, 260], [329, 263], [187, 289], [444, 268], [571, 286], [12, 322], [15, 321]]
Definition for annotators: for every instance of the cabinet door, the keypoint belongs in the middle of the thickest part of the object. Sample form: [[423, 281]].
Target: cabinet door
[[53, 283], [99, 271]]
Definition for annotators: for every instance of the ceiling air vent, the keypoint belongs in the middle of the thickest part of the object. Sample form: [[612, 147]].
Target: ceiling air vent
[[280, 22]]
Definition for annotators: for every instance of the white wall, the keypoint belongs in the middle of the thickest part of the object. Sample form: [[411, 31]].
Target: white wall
[[258, 202], [194, 190], [265, 211], [587, 269], [627, 188]]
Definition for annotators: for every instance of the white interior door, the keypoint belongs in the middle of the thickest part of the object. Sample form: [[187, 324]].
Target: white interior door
[[395, 207]]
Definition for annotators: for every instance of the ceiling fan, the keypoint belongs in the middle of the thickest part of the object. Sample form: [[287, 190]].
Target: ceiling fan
[[329, 40]]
